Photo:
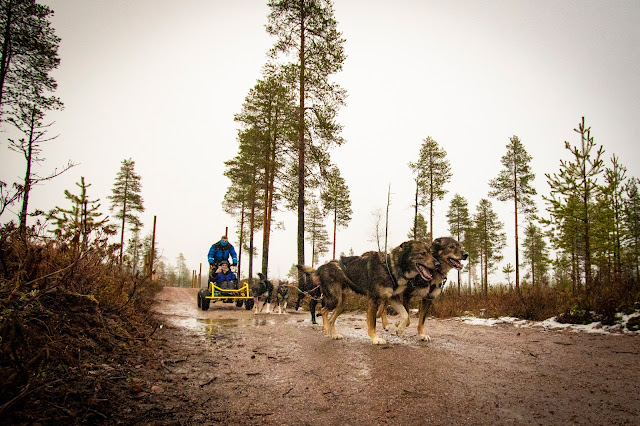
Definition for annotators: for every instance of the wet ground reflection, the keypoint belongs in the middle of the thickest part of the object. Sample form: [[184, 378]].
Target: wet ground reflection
[[217, 325]]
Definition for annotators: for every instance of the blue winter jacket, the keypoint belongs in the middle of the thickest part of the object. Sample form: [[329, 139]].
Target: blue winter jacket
[[219, 252], [229, 276]]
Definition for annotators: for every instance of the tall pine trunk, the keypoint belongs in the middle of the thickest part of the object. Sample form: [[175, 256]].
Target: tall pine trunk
[[242, 214], [335, 227], [515, 198], [124, 215], [415, 215], [27, 180], [268, 203], [252, 217], [301, 146]]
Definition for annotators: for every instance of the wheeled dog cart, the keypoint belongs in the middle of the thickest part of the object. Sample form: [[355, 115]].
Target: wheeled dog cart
[[227, 292]]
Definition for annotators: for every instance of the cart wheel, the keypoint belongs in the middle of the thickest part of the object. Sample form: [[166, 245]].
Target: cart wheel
[[199, 300], [248, 304], [205, 304], [239, 302]]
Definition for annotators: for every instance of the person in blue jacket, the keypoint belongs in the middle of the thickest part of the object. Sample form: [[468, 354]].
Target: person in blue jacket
[[224, 273], [221, 251]]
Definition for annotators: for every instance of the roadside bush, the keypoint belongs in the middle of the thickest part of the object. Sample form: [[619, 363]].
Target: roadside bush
[[63, 307]]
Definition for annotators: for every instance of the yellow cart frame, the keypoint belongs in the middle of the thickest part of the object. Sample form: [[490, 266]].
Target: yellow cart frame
[[229, 293]]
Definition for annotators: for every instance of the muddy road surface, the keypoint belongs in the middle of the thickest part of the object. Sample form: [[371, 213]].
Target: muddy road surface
[[228, 365]]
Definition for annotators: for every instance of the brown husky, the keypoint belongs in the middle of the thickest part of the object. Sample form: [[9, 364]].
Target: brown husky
[[448, 253], [376, 276]]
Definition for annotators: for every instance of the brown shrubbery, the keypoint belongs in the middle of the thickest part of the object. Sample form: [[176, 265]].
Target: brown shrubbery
[[531, 303], [65, 307]]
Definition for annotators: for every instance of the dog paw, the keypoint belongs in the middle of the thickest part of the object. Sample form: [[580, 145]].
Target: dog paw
[[425, 337], [378, 341], [337, 336]]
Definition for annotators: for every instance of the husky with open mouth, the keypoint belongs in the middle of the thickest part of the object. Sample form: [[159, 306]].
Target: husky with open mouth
[[448, 254], [377, 276]]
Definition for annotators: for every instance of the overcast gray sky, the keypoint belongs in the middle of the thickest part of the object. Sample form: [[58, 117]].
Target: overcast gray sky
[[159, 81]]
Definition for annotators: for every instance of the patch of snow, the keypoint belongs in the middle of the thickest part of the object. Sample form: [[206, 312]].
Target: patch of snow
[[552, 324]]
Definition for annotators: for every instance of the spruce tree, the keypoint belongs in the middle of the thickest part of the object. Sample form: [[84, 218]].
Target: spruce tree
[[126, 200], [514, 184]]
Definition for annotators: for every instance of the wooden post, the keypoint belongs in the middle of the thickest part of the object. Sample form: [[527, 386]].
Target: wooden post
[[200, 276]]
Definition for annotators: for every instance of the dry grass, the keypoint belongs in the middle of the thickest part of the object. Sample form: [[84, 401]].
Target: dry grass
[[531, 303], [61, 309]]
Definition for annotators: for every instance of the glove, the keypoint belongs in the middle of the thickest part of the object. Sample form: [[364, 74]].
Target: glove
[[234, 264]]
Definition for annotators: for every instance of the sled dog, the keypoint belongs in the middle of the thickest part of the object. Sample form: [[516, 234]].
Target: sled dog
[[309, 285], [448, 254], [377, 276], [262, 292]]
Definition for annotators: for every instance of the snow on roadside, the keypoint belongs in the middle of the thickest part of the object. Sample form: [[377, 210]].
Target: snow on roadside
[[552, 324]]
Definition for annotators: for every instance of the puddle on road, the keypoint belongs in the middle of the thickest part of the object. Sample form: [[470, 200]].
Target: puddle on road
[[216, 325]]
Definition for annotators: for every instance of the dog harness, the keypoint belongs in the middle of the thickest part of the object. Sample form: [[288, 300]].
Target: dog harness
[[387, 262]]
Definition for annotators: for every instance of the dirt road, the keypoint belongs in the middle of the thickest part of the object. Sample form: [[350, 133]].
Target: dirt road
[[228, 365]]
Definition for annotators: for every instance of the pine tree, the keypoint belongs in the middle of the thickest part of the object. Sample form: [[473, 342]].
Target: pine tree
[[421, 232], [613, 192], [306, 31], [514, 184], [317, 233], [134, 250], [245, 172], [578, 179], [126, 200], [432, 172], [77, 222], [491, 240], [536, 254], [336, 202], [28, 118], [507, 271], [459, 221], [472, 247], [182, 271], [28, 52], [632, 225], [269, 113]]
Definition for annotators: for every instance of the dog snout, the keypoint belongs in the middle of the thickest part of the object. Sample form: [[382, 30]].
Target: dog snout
[[436, 264], [464, 256]]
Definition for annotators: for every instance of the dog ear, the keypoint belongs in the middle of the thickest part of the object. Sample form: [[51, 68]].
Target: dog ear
[[437, 245], [398, 255]]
